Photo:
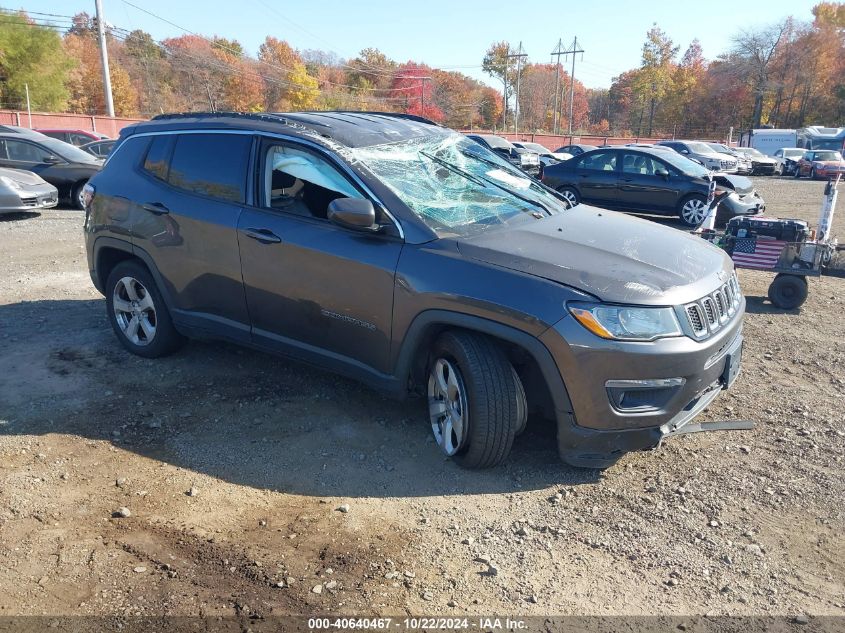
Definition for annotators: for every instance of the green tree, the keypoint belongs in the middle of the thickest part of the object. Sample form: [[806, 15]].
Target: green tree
[[32, 56]]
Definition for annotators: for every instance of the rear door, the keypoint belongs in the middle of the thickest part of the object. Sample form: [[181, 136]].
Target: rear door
[[315, 289], [188, 199], [643, 185], [596, 176]]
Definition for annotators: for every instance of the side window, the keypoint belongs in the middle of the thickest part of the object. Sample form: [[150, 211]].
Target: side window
[[157, 162], [779, 153], [640, 164], [301, 182], [599, 161], [212, 165], [78, 139], [18, 150]]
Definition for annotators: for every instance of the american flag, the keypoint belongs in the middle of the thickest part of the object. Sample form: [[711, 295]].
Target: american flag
[[752, 252]]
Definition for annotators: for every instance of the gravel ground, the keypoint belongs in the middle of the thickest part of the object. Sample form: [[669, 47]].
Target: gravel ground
[[256, 486]]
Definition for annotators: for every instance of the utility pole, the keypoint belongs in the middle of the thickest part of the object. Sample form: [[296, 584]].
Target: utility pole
[[29, 109], [505, 91], [518, 55], [572, 50], [104, 57], [422, 94], [557, 52]]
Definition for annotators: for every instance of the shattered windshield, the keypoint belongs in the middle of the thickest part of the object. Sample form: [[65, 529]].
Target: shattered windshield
[[456, 186]]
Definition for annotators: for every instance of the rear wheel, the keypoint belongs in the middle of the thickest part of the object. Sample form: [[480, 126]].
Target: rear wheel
[[788, 291], [693, 209], [476, 403], [570, 196], [137, 312]]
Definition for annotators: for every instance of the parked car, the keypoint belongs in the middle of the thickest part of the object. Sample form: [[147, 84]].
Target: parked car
[[526, 160], [547, 156], [575, 149], [24, 191], [704, 154], [820, 163], [410, 257], [787, 160], [761, 165], [63, 165], [650, 181], [744, 166], [74, 137], [99, 149]]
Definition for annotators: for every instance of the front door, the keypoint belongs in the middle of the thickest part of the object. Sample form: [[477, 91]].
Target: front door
[[646, 184], [314, 288]]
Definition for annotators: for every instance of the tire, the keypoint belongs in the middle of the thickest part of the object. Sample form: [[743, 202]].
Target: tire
[[778, 170], [797, 173], [692, 210], [812, 173], [76, 195], [141, 320], [788, 292], [472, 381], [570, 196]]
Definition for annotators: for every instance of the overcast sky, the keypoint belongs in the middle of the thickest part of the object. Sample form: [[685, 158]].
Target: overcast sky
[[451, 34]]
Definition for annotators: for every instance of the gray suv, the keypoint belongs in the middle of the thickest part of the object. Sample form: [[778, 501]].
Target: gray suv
[[405, 255]]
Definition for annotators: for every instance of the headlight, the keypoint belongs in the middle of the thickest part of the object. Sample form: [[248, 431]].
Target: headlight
[[14, 184], [626, 323]]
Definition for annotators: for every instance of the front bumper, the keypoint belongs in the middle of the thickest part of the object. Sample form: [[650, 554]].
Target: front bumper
[[596, 433], [734, 205], [29, 200], [763, 169]]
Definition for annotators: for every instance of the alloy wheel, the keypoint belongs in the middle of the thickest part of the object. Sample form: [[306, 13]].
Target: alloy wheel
[[569, 198], [694, 211], [134, 311], [447, 406]]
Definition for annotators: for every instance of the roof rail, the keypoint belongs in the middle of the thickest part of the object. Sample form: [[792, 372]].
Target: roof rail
[[397, 115], [259, 116]]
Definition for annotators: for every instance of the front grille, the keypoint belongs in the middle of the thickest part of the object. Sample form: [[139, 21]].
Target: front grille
[[711, 312]]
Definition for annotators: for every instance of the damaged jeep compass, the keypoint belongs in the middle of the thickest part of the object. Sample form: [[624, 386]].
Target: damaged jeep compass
[[395, 251]]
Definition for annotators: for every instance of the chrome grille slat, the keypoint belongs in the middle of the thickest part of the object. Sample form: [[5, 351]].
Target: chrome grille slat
[[711, 312]]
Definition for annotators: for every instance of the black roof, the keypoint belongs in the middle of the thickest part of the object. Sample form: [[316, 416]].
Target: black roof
[[353, 129]]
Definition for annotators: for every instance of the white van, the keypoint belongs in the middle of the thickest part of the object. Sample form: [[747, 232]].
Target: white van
[[768, 141]]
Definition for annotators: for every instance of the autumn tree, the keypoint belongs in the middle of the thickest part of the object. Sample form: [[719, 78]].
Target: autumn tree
[[288, 86], [655, 77], [752, 53]]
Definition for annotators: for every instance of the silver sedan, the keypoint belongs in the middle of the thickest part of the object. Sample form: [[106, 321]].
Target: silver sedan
[[24, 191]]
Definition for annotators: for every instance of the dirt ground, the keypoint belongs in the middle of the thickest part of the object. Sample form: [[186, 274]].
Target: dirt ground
[[258, 486]]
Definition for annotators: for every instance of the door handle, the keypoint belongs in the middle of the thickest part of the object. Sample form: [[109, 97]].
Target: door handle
[[627, 180], [265, 236], [155, 207]]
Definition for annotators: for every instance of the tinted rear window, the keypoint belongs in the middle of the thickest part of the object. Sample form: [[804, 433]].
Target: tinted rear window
[[156, 162], [211, 164]]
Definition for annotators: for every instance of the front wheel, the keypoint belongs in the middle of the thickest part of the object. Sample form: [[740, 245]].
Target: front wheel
[[77, 197], [570, 196], [812, 173], [693, 210], [788, 292], [797, 173], [476, 403]]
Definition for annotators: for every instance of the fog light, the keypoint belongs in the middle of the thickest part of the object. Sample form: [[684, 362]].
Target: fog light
[[641, 396]]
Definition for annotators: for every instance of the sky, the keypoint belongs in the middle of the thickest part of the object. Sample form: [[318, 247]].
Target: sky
[[450, 34]]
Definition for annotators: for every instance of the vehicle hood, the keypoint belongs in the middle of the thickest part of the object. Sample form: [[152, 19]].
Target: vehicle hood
[[23, 176], [830, 163], [715, 155], [612, 256], [740, 184], [766, 160], [561, 156]]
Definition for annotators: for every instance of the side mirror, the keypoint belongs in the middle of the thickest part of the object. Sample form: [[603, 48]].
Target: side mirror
[[684, 151], [52, 160], [662, 173], [353, 213]]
